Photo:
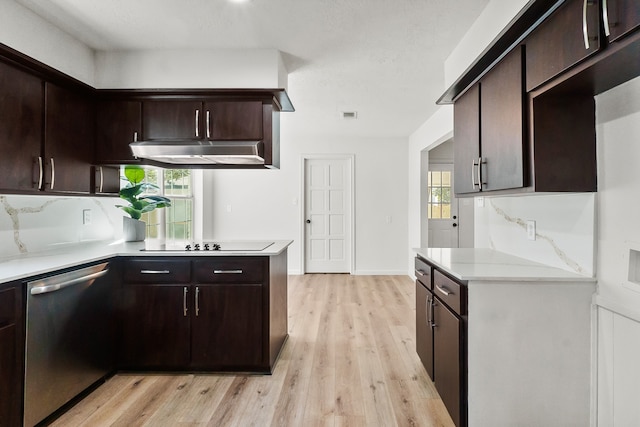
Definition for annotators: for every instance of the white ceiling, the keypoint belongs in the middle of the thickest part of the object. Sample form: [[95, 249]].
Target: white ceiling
[[381, 58]]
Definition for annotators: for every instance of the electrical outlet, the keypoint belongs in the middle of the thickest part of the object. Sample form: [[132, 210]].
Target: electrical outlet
[[531, 230], [480, 202], [86, 216], [229, 208]]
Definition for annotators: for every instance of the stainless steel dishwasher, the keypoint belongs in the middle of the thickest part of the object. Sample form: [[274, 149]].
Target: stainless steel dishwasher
[[68, 339]]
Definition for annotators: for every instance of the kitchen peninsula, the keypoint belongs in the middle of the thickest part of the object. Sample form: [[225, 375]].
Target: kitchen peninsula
[[523, 337], [216, 310]]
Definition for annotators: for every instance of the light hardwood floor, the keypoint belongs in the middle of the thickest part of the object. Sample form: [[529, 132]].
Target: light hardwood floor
[[350, 361]]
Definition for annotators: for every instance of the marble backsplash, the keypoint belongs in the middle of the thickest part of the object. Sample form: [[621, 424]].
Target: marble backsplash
[[37, 223], [565, 228]]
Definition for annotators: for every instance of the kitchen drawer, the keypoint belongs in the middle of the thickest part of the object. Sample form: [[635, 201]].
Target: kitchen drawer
[[450, 292], [229, 270], [423, 273], [8, 306], [157, 271]]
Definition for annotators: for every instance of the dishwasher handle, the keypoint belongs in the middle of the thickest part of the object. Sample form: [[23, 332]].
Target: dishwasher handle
[[37, 290]]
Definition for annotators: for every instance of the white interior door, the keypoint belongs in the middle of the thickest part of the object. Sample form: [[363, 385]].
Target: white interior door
[[442, 207], [327, 215]]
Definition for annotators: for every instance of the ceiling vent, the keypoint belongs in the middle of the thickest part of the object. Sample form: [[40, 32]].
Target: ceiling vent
[[349, 114]]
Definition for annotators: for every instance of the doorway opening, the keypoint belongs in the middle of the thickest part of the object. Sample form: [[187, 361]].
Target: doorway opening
[[446, 221]]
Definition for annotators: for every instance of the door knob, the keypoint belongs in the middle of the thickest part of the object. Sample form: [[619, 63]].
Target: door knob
[[455, 217], [308, 221], [454, 224]]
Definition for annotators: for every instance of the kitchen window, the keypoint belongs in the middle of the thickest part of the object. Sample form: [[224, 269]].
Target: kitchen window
[[176, 221]]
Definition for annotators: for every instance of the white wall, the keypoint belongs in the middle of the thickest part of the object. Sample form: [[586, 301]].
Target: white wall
[[198, 68], [268, 204], [565, 228], [618, 139], [31, 224], [437, 129], [618, 327], [493, 19], [24, 31]]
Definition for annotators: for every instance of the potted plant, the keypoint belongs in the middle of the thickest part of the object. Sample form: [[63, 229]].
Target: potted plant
[[134, 229]]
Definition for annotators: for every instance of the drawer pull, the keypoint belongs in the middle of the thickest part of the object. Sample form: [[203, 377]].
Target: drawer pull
[[442, 290], [155, 271], [227, 271], [420, 273]]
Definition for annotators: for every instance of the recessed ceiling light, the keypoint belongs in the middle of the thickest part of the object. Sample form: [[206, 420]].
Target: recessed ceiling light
[[239, 1]]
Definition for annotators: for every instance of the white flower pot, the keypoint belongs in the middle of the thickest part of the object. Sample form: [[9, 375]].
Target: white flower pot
[[134, 230]]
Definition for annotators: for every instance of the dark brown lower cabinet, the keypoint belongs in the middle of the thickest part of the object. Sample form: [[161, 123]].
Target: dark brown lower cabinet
[[155, 327], [226, 328], [441, 304], [424, 333], [11, 355], [448, 360], [203, 313]]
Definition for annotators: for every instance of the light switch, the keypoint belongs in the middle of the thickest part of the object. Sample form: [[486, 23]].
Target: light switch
[[86, 216]]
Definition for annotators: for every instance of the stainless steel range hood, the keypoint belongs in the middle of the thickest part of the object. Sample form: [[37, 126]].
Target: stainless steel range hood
[[200, 152]]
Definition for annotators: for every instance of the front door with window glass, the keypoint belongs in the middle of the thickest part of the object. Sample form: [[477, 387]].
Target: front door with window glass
[[442, 207]]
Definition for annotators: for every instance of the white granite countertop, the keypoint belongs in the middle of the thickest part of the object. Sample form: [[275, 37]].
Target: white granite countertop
[[65, 256], [489, 265]]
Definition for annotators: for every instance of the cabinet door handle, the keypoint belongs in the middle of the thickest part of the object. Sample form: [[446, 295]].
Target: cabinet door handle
[[227, 271], [428, 313], [480, 173], [585, 23], [101, 186], [473, 173], [197, 123], [135, 137], [197, 301], [155, 271], [41, 172], [442, 290], [208, 123], [53, 173], [184, 301], [605, 18], [434, 304]]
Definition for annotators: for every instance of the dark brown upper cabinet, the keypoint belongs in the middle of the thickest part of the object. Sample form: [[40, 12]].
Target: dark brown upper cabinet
[[197, 120], [620, 17], [106, 180], [568, 36], [489, 131], [503, 128], [233, 120], [118, 123], [172, 120], [21, 106], [69, 140], [466, 134]]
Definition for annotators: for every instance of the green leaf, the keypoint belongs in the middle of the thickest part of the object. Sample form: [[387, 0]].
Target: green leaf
[[135, 174], [135, 214]]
